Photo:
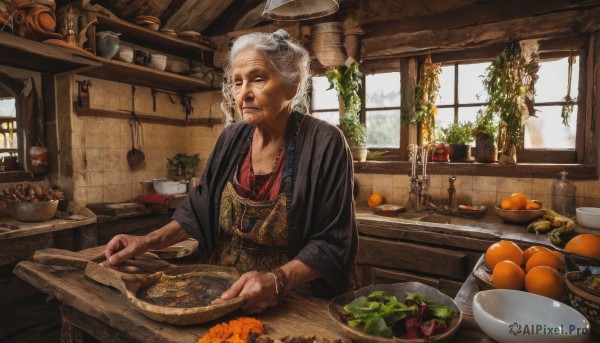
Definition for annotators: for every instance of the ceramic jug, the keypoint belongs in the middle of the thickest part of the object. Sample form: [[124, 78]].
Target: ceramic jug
[[107, 43]]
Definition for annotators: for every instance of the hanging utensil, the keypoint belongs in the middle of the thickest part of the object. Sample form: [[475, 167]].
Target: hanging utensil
[[135, 157]]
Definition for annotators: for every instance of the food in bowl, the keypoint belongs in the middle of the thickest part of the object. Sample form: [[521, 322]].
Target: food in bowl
[[398, 298], [516, 316], [588, 217], [584, 296]]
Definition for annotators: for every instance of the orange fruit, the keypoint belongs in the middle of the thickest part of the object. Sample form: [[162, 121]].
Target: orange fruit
[[546, 281], [543, 258], [531, 205], [585, 244], [506, 204], [527, 253], [518, 201], [503, 250], [375, 199], [508, 275]]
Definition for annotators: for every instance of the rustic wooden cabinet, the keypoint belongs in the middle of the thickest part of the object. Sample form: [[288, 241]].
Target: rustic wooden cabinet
[[402, 252]]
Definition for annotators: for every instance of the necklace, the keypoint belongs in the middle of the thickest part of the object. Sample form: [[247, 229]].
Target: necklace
[[252, 178]]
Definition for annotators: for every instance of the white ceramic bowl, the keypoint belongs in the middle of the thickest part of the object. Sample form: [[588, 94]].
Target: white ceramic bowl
[[158, 61], [126, 53], [163, 186], [588, 217], [515, 316]]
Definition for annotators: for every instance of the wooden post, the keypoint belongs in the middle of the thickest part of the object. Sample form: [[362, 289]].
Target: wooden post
[[408, 77]]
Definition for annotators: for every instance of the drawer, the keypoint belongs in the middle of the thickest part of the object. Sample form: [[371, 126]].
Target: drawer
[[413, 257]]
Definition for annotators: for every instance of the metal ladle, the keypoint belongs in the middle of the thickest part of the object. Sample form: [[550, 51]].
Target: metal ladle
[[135, 156]]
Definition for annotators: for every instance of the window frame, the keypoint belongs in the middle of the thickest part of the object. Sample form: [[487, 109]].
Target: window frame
[[543, 164]]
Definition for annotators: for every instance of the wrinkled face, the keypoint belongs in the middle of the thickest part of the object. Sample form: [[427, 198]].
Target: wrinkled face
[[259, 93]]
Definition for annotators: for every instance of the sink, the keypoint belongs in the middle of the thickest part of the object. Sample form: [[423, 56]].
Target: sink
[[436, 218]]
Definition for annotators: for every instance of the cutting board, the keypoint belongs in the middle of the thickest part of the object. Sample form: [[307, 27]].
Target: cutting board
[[117, 208]]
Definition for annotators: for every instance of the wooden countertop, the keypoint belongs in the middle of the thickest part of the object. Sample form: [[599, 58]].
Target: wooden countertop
[[107, 313], [488, 227], [80, 216]]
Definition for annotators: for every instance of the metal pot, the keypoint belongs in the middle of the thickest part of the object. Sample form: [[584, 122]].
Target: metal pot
[[107, 43], [32, 211]]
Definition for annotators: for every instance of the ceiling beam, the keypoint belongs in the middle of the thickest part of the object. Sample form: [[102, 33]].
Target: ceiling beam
[[479, 35], [227, 20]]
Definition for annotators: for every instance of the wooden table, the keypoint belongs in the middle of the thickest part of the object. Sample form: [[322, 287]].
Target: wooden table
[[91, 308]]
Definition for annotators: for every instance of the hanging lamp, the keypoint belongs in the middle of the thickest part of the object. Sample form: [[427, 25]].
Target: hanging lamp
[[299, 9]]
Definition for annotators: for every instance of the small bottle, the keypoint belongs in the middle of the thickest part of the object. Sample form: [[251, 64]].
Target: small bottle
[[563, 195]]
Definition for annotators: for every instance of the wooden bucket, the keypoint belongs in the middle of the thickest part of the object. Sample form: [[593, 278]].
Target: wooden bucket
[[327, 43]]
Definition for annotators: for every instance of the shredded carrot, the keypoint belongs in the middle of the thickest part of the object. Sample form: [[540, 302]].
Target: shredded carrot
[[235, 331]]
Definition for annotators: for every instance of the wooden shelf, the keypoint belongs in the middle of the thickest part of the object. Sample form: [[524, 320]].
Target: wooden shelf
[[143, 76], [154, 39], [27, 54]]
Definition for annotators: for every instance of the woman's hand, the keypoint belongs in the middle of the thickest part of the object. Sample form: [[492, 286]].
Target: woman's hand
[[258, 288], [122, 247]]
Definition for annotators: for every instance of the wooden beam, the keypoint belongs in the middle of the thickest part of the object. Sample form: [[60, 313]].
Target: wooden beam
[[483, 12], [539, 27], [408, 75], [227, 20]]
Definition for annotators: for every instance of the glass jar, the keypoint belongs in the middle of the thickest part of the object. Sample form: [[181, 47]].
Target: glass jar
[[563, 195]]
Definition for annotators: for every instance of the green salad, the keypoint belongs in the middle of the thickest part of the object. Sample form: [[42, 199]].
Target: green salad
[[413, 317]]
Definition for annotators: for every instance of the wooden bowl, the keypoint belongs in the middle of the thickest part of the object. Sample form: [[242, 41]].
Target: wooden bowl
[[518, 216], [583, 300], [400, 290]]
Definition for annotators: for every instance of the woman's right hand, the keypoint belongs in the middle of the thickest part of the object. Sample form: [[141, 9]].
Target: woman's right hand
[[122, 247]]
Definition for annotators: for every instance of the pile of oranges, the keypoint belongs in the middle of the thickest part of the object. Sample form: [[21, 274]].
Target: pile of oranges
[[540, 273], [518, 201]]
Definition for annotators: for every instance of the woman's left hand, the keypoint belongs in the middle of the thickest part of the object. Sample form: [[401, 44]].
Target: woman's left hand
[[258, 288]]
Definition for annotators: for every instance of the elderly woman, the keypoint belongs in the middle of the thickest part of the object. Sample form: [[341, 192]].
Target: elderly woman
[[275, 200]]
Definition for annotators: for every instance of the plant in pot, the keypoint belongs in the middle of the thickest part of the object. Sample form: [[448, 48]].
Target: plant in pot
[[346, 81], [183, 166], [510, 85], [458, 135], [485, 132]]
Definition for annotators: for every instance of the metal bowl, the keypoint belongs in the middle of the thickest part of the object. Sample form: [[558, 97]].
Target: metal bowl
[[32, 211]]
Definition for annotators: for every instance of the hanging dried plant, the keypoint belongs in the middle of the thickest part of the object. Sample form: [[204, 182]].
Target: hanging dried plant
[[426, 93], [567, 108]]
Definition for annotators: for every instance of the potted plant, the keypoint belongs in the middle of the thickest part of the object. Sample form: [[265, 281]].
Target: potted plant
[[510, 84], [183, 165], [346, 81], [485, 132], [458, 135]]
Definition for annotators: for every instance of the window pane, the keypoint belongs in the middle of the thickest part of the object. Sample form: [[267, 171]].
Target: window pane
[[470, 83], [552, 82], [547, 131], [323, 99], [444, 118], [330, 117], [446, 94], [468, 113], [382, 90], [383, 129], [7, 107]]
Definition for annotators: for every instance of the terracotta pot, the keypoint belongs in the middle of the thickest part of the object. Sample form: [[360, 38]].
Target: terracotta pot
[[39, 159], [10, 163], [485, 150], [359, 154], [460, 153]]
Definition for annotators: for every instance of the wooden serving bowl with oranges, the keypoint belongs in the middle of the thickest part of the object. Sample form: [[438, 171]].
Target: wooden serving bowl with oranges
[[537, 269], [517, 208]]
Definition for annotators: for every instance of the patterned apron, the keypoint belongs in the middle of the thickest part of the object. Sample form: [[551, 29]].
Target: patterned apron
[[255, 232]]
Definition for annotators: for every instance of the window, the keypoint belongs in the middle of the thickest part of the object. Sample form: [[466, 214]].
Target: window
[[324, 102], [8, 129], [382, 110], [462, 95]]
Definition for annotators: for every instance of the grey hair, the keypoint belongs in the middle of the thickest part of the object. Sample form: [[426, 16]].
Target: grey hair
[[288, 58]]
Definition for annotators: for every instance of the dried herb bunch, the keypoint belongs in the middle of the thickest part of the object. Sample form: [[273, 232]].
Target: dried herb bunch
[[426, 93], [510, 85]]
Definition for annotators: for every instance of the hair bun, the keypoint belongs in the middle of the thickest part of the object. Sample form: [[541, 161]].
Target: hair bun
[[281, 34]]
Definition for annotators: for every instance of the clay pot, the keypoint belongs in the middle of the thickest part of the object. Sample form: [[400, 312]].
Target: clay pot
[[485, 150], [107, 43], [36, 22], [460, 153], [39, 159], [10, 163]]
